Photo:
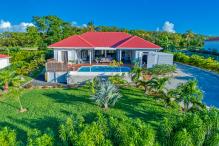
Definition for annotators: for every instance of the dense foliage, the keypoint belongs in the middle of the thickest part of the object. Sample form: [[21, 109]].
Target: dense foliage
[[162, 69], [24, 65], [191, 129], [50, 29], [198, 61]]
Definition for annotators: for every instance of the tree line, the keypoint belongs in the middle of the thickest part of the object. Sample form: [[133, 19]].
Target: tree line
[[50, 29]]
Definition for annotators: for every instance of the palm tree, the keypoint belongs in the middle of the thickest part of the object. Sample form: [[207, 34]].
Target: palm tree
[[17, 92], [5, 78], [90, 26], [106, 95], [158, 84], [189, 94], [136, 73], [144, 84]]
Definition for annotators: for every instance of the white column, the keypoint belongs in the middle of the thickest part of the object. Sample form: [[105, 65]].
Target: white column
[[105, 54], [90, 56], [120, 55]]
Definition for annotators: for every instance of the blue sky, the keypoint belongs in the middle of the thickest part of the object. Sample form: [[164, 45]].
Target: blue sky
[[201, 16]]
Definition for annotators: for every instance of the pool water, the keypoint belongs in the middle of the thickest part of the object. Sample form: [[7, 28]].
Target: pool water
[[104, 69]]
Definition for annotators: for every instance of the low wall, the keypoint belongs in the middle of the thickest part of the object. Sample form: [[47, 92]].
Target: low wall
[[82, 77], [58, 77]]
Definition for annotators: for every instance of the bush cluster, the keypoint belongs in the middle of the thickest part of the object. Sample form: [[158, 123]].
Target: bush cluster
[[200, 128], [195, 129], [198, 61], [162, 69]]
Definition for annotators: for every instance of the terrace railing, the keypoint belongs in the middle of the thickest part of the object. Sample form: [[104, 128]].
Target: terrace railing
[[55, 66]]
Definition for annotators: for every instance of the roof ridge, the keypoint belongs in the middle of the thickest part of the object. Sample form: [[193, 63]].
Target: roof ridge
[[129, 39], [83, 39], [63, 40]]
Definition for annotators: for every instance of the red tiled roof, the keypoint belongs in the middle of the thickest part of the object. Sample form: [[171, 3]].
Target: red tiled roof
[[213, 39], [4, 56], [104, 39], [137, 42], [72, 41]]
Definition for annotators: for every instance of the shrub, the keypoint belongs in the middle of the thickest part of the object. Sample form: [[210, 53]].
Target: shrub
[[198, 61], [8, 137], [131, 132], [36, 138], [67, 132], [118, 80], [94, 84], [116, 63], [182, 138], [162, 69], [107, 130]]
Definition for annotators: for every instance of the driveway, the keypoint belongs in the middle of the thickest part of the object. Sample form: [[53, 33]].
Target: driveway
[[208, 82]]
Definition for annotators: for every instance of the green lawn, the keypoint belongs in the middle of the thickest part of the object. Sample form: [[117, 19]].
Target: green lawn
[[49, 107]]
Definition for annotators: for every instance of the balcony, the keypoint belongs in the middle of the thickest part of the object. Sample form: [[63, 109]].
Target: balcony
[[55, 66]]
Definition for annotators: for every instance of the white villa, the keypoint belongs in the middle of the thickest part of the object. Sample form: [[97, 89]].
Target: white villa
[[4, 61], [101, 48]]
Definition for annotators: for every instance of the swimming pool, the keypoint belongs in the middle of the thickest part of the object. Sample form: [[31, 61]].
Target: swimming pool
[[104, 69]]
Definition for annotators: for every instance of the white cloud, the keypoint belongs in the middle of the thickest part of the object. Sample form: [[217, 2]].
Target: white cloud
[[84, 25], [74, 23], [168, 27], [21, 27], [7, 26]]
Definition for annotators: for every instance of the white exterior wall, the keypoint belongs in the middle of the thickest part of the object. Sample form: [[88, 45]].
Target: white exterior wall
[[211, 46], [152, 60], [72, 54], [165, 59], [4, 62]]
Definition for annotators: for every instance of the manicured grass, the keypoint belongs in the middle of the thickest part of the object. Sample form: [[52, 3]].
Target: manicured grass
[[49, 107]]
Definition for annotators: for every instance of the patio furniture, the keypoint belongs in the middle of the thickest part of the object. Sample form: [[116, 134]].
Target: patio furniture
[[97, 60], [106, 60]]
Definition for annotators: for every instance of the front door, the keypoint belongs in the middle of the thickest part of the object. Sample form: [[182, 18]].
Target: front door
[[65, 56], [144, 59], [84, 55]]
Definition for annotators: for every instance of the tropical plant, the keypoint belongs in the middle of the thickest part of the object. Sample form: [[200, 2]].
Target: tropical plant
[[8, 137], [182, 138], [144, 84], [94, 84], [116, 63], [16, 93], [6, 78], [166, 129], [125, 132], [118, 80], [67, 132], [189, 94], [36, 138], [162, 69], [199, 61], [107, 95], [157, 85], [136, 73], [211, 120]]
